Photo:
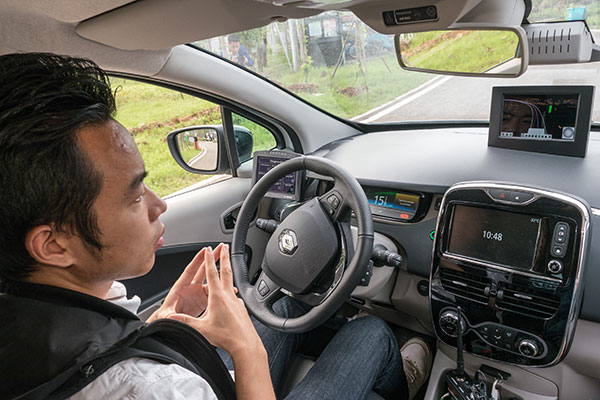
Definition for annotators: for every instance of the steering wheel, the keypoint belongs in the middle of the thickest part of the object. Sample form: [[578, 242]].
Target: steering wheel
[[304, 248]]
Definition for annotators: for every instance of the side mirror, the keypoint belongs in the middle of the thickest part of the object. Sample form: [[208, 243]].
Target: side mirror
[[199, 149], [486, 52]]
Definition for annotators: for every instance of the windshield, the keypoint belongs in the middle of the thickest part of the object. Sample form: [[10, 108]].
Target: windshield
[[339, 64]]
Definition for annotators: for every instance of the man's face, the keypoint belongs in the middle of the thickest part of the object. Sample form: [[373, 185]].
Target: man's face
[[234, 47], [127, 211], [516, 117]]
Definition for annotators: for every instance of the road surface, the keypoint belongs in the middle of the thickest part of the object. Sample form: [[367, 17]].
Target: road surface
[[207, 160]]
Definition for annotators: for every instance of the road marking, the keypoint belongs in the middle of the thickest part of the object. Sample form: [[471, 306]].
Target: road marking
[[399, 98], [404, 99]]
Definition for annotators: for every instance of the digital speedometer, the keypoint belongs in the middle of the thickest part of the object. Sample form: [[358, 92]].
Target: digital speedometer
[[392, 204]]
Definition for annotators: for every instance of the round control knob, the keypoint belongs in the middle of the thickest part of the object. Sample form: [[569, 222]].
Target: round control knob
[[528, 348], [555, 266], [449, 323], [568, 133]]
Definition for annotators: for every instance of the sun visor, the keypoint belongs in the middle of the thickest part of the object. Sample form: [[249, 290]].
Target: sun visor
[[391, 17], [159, 24]]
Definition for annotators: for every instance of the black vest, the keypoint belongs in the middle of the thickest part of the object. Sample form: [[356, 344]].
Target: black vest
[[55, 341]]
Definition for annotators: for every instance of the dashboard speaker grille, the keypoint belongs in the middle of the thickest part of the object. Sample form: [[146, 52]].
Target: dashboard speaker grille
[[467, 286]]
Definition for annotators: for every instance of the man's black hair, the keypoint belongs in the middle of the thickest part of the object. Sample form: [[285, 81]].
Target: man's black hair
[[45, 177], [234, 37]]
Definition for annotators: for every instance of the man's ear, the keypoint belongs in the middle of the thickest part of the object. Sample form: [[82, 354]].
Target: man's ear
[[49, 247]]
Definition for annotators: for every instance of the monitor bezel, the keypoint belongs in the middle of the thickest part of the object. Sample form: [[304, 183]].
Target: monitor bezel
[[278, 154], [576, 148]]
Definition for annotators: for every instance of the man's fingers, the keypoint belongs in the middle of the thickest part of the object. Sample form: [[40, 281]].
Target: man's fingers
[[226, 272], [212, 276], [192, 268], [217, 251], [186, 319], [200, 273]]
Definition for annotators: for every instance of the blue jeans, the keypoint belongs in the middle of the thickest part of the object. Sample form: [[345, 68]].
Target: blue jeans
[[362, 357]]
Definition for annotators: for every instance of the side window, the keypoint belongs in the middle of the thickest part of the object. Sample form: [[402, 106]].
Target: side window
[[250, 137], [150, 112]]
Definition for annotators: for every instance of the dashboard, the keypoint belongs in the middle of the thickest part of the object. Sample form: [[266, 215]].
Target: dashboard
[[462, 154]]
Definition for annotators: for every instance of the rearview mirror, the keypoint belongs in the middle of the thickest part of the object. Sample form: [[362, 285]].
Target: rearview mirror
[[485, 52]]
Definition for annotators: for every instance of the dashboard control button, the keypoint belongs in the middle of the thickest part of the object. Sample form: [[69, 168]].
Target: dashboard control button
[[520, 197], [500, 194], [528, 348], [497, 334], [263, 288], [423, 287], [555, 266], [558, 251], [333, 201], [561, 235]]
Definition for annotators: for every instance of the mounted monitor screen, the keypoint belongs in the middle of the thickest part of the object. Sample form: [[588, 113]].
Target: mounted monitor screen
[[543, 119], [287, 187]]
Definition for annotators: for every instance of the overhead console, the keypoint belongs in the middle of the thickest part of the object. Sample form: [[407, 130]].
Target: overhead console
[[512, 258]]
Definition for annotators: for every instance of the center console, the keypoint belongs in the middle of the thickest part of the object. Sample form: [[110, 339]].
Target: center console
[[511, 259]]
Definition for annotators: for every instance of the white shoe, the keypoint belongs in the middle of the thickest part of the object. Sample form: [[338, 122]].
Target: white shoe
[[416, 360]]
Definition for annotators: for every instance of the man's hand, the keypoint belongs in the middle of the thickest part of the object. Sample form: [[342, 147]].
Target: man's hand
[[189, 295], [226, 324], [225, 312]]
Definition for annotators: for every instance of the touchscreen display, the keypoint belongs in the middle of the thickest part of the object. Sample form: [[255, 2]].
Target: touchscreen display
[[539, 117], [495, 236], [287, 185]]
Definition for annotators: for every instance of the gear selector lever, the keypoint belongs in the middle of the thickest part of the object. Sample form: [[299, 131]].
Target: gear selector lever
[[460, 385]]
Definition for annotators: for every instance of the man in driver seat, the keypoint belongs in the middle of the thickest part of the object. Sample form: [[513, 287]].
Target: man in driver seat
[[76, 217]]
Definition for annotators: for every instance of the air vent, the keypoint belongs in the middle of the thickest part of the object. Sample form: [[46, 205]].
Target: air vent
[[467, 286], [556, 43], [530, 302]]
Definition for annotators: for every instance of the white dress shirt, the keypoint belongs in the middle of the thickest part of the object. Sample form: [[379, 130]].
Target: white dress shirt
[[141, 378]]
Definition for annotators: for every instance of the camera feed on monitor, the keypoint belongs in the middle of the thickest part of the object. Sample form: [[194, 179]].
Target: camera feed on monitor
[[542, 117]]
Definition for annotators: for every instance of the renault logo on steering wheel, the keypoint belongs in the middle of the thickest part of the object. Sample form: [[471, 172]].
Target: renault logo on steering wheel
[[288, 243]]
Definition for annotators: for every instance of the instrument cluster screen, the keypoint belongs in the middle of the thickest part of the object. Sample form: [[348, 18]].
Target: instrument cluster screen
[[391, 204], [495, 236], [539, 117], [287, 187]]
